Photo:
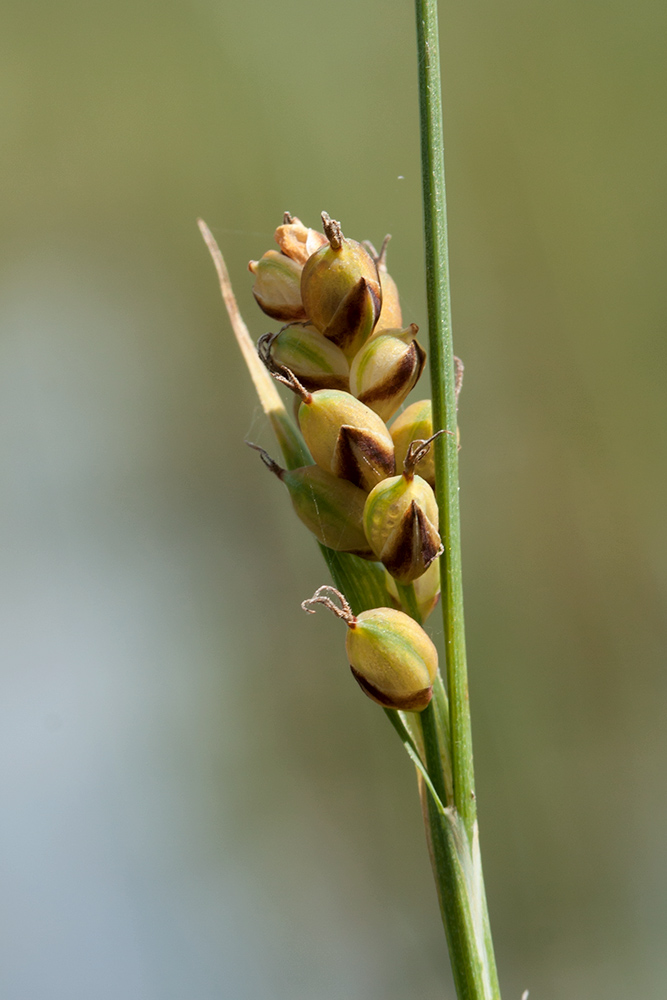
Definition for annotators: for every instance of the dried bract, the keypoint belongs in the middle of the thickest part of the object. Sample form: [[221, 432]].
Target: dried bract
[[297, 240]]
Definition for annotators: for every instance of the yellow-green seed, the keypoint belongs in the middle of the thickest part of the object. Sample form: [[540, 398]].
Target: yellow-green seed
[[391, 317], [330, 507], [340, 290], [316, 361], [392, 658], [386, 369], [401, 525], [346, 438], [277, 287], [415, 422]]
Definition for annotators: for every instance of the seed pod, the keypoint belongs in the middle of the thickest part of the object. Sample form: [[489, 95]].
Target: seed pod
[[386, 369], [391, 317], [401, 521], [340, 289], [414, 423], [344, 436], [427, 589], [329, 507], [316, 361], [390, 655], [277, 287], [297, 240]]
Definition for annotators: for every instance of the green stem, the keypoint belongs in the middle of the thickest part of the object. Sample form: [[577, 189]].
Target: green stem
[[452, 838], [453, 896], [441, 708], [444, 402]]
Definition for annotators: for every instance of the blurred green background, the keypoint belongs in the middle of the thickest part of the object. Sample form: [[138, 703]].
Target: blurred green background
[[197, 800]]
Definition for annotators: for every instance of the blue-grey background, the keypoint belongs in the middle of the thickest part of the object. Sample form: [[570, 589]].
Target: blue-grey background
[[197, 802]]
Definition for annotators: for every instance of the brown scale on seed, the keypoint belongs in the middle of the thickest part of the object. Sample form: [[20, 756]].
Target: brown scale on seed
[[411, 703], [410, 368], [416, 535]]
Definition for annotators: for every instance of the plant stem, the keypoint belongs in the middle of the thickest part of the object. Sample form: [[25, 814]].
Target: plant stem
[[463, 939], [444, 402], [453, 838]]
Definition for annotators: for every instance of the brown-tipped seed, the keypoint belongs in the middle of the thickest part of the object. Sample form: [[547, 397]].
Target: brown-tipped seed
[[297, 240], [277, 287], [392, 659], [386, 369], [414, 423], [391, 656], [346, 438], [340, 290], [427, 589], [330, 507], [391, 317], [401, 523], [316, 361]]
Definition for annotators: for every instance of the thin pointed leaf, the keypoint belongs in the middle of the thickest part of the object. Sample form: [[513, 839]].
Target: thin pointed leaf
[[408, 743]]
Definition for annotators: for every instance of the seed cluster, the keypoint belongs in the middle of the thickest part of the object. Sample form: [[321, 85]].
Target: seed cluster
[[351, 363]]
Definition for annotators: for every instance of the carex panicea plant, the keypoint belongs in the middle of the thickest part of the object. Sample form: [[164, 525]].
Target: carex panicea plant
[[378, 488]]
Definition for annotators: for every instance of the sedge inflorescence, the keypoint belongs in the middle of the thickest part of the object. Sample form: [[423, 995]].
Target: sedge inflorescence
[[349, 360]]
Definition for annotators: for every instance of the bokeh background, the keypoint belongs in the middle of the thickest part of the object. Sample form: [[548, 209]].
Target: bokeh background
[[196, 799]]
